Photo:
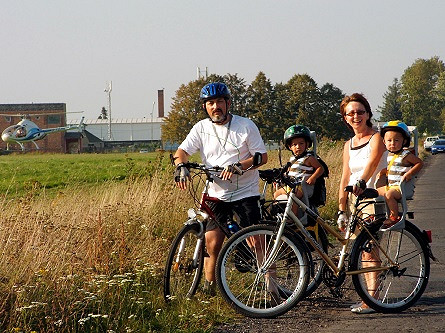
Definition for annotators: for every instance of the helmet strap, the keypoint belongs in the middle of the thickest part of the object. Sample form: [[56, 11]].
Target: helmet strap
[[396, 152], [303, 154]]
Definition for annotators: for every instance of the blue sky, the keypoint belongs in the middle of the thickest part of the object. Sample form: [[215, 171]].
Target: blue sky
[[67, 51]]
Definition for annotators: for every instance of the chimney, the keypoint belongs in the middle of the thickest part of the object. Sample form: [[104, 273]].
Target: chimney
[[161, 103]]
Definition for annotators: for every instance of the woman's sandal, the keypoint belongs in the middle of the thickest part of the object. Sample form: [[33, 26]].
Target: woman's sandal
[[362, 310]]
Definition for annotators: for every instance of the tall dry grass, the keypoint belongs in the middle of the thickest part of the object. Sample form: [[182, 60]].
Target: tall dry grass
[[92, 259], [52, 249]]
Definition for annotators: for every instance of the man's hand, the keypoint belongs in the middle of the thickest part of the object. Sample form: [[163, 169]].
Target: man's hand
[[230, 170], [182, 174]]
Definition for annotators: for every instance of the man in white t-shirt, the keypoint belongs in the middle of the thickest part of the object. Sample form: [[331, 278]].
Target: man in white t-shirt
[[229, 141]]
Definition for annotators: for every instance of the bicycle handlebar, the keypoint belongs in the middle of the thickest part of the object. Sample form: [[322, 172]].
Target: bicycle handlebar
[[279, 175]]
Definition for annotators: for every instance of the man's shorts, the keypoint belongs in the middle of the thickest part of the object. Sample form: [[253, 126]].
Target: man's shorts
[[247, 209]]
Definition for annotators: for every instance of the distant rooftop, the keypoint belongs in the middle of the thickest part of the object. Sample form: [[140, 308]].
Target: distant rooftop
[[32, 107], [115, 121]]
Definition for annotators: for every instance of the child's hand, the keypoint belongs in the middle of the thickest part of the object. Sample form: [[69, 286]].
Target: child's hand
[[406, 177]]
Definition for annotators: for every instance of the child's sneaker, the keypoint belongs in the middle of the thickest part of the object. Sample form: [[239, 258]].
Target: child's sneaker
[[393, 223]]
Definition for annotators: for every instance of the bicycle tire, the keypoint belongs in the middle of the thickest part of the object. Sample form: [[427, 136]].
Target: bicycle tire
[[252, 293], [181, 278], [400, 287]]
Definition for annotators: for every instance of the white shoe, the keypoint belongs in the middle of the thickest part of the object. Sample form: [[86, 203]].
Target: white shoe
[[361, 310]]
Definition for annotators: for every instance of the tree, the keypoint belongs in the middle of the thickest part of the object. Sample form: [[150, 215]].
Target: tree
[[439, 95], [418, 102], [282, 114], [238, 91], [330, 121], [303, 96], [259, 106], [391, 109], [186, 110]]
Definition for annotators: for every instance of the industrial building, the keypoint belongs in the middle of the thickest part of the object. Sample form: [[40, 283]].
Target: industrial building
[[118, 134], [44, 115], [99, 135]]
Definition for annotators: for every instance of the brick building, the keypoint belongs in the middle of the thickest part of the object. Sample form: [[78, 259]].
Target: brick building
[[44, 115]]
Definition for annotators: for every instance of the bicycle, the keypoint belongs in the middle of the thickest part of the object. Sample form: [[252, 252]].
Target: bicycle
[[398, 259], [185, 260], [275, 208]]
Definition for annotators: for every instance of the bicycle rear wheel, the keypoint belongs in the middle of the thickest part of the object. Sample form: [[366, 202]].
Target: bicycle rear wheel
[[256, 291], [184, 264], [397, 288]]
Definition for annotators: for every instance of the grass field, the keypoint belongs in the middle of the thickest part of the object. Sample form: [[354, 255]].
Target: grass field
[[24, 172], [84, 238]]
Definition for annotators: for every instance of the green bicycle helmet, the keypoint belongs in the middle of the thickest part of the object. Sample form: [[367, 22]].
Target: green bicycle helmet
[[297, 131], [399, 126]]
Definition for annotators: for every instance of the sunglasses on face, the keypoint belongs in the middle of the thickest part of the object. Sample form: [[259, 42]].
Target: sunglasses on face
[[359, 113]]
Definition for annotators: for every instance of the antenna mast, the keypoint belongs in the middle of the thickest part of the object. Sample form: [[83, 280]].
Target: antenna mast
[[108, 91], [199, 71]]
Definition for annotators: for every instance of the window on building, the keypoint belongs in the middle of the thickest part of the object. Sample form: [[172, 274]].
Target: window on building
[[54, 119]]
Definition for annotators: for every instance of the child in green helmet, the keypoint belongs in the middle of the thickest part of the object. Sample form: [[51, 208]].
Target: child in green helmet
[[297, 139]]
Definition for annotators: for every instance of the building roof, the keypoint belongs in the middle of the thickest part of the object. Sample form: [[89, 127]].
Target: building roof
[[32, 107], [91, 137], [115, 121]]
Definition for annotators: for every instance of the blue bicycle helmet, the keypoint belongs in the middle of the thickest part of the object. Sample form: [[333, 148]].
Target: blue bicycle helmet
[[399, 126], [214, 90]]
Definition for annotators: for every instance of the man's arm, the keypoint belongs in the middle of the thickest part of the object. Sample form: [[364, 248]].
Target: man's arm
[[180, 156], [181, 172]]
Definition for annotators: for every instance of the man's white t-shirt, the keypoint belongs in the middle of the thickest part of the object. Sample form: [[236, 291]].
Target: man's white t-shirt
[[222, 145]]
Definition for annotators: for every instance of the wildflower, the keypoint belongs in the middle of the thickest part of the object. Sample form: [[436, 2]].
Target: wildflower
[[82, 321]]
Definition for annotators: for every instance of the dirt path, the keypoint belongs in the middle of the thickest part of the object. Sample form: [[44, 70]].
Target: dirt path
[[322, 313]]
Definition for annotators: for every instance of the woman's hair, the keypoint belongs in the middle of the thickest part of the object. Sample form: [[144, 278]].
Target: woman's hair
[[356, 97]]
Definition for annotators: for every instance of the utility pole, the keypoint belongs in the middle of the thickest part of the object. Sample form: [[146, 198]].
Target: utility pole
[[152, 110], [108, 91]]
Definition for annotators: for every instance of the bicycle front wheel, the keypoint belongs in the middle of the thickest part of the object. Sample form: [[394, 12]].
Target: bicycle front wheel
[[318, 263], [405, 255], [184, 265], [253, 289]]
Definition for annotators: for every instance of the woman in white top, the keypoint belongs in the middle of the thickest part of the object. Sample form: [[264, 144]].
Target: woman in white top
[[364, 155]]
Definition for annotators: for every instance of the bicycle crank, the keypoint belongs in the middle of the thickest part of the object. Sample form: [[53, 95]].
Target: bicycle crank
[[333, 282]]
